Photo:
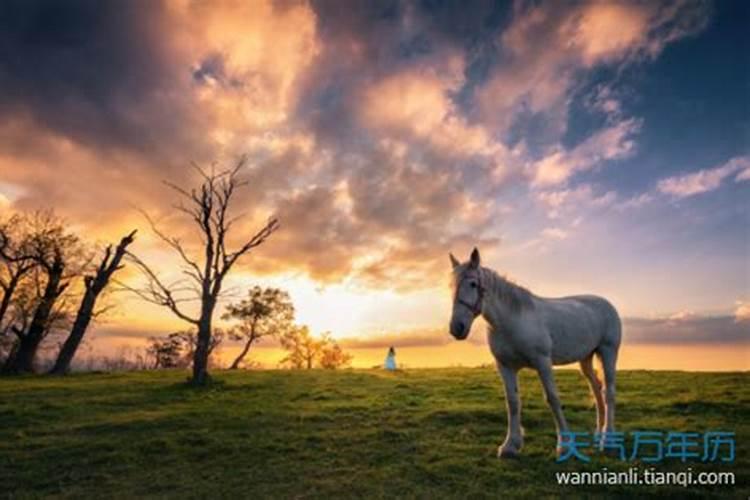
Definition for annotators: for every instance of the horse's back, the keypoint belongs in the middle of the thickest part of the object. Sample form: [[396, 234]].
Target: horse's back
[[579, 325]]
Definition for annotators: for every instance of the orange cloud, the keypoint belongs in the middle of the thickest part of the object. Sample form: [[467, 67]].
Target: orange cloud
[[415, 105], [250, 58], [608, 30], [742, 312], [367, 137]]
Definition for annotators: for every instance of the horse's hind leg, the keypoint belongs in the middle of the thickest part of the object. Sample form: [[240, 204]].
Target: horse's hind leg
[[608, 355], [587, 368]]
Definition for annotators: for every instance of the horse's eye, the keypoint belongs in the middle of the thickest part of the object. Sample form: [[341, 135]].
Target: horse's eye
[[473, 284]]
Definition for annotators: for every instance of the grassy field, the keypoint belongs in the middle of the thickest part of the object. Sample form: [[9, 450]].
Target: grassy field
[[417, 433]]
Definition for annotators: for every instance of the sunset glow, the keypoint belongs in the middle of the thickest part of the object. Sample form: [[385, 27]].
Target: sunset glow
[[586, 147]]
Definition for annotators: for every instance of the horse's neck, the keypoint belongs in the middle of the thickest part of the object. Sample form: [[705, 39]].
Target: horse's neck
[[496, 310]]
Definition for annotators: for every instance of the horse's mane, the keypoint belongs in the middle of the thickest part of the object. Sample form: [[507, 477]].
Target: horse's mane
[[516, 297]]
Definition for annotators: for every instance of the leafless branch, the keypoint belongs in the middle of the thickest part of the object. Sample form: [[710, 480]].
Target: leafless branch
[[156, 291], [175, 244]]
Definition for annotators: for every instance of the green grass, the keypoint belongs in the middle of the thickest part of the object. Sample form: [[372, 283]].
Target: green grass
[[417, 433]]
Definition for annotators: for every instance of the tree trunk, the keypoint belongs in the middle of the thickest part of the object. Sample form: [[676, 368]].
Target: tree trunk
[[236, 362], [94, 286], [200, 357], [250, 340], [69, 348], [7, 295], [23, 362], [11, 357]]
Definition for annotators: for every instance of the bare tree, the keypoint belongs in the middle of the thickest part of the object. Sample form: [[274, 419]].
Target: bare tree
[[55, 252], [94, 285], [207, 206], [265, 312]]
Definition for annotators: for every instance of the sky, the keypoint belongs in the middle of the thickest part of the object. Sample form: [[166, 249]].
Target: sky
[[583, 147]]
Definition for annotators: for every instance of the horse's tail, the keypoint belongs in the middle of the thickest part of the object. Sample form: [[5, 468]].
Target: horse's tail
[[612, 335], [609, 345]]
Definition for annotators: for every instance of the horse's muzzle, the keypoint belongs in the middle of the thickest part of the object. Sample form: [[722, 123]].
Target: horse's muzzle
[[459, 330]]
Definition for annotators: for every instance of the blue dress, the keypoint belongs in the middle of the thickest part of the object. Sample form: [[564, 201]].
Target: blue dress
[[390, 362]]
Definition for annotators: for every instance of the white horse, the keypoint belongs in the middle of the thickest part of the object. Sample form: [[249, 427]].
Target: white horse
[[530, 331]]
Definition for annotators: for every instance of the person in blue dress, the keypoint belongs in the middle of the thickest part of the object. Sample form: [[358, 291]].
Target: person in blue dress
[[390, 360]]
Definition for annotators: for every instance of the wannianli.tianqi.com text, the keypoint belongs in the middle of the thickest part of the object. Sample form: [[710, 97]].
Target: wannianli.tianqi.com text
[[646, 477]]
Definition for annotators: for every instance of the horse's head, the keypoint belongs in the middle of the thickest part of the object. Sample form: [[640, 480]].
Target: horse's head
[[468, 295]]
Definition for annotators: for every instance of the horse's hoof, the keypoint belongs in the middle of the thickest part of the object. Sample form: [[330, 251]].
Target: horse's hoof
[[507, 452]]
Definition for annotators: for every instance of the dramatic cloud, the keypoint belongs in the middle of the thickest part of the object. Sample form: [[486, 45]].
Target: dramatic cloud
[[385, 134], [378, 133], [549, 44], [98, 74]]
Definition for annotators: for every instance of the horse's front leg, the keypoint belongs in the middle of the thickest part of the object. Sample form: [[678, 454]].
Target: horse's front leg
[[514, 439], [544, 367]]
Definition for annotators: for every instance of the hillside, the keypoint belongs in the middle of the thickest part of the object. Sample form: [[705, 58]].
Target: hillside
[[418, 433]]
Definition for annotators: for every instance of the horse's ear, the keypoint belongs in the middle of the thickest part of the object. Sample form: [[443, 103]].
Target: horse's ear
[[454, 261], [474, 259]]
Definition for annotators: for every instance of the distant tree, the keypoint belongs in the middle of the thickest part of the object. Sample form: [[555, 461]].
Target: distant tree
[[26, 300], [16, 263], [176, 349], [57, 255], [94, 285], [189, 340], [166, 352], [332, 356], [207, 206], [303, 348], [16, 259], [266, 312]]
